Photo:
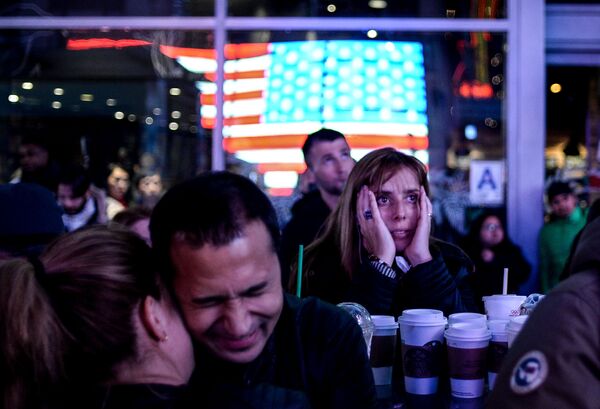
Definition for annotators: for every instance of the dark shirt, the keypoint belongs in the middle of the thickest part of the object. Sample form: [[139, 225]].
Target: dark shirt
[[440, 283], [316, 358], [308, 216]]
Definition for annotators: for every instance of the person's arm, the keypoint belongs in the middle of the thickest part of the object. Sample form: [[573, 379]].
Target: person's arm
[[554, 361], [349, 378], [430, 285], [544, 268]]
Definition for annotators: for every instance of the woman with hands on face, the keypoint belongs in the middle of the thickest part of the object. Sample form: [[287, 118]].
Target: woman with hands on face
[[376, 248]]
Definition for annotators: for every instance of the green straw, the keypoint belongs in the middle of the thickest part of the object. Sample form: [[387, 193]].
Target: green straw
[[299, 274]]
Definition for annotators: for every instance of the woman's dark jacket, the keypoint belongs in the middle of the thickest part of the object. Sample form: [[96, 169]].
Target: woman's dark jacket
[[440, 283]]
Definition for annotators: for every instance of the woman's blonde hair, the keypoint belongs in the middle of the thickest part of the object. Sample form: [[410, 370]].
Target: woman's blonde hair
[[341, 231], [69, 315]]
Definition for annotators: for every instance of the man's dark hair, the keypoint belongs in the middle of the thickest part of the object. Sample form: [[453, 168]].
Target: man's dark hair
[[77, 177], [322, 135], [212, 208], [559, 188]]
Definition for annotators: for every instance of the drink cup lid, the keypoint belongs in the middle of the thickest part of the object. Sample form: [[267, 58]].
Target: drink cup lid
[[497, 326], [384, 321], [471, 317], [516, 323], [468, 331], [425, 317], [496, 297]]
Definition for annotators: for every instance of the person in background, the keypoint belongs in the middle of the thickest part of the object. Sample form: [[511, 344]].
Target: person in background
[[376, 249], [30, 218], [148, 189], [216, 238], [555, 362], [118, 183], [556, 236], [328, 160], [83, 204], [488, 245], [90, 325], [36, 164], [136, 219]]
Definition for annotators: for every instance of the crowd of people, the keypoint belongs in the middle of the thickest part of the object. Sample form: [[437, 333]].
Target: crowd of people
[[176, 299]]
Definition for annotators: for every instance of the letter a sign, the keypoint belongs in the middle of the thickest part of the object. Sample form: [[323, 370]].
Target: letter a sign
[[486, 181]]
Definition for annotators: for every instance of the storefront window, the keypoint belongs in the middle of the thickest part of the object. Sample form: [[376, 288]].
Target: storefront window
[[103, 97], [436, 96], [370, 8]]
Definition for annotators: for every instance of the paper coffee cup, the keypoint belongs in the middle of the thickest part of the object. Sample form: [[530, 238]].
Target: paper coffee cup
[[469, 317], [502, 307], [383, 347], [497, 349], [514, 326], [467, 346], [422, 335]]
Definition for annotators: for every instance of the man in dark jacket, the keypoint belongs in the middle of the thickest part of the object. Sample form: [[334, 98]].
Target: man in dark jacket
[[555, 361], [216, 237], [327, 157]]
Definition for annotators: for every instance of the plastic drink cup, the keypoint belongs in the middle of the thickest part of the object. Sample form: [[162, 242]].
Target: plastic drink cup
[[514, 326], [502, 307], [469, 317], [383, 347], [467, 357], [422, 335], [497, 349]]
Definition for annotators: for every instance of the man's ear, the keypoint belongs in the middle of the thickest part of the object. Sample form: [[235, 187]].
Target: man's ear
[[154, 319]]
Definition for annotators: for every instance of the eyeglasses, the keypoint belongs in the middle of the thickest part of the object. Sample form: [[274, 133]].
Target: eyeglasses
[[492, 227]]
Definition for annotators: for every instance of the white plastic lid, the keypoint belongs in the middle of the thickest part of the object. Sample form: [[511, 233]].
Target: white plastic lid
[[424, 317], [497, 326], [516, 323], [470, 317], [503, 297], [468, 331], [384, 321]]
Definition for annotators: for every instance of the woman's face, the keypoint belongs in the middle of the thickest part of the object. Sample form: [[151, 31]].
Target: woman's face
[[180, 347], [118, 183], [491, 232], [398, 202]]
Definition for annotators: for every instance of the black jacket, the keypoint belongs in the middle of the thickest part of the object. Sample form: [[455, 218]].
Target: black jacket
[[308, 216], [316, 358], [439, 284]]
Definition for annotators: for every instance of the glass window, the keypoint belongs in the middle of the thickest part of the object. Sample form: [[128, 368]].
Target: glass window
[[573, 128], [370, 8], [101, 97], [46, 8], [437, 96]]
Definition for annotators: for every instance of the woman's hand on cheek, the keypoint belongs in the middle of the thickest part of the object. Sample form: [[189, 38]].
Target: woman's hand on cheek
[[417, 251], [376, 238]]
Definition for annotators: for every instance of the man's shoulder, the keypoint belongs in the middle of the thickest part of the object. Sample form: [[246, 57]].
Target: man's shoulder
[[316, 318], [308, 203]]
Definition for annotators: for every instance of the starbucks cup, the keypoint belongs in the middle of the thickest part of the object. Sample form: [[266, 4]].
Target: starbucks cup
[[383, 346], [502, 307], [514, 326], [469, 317], [422, 335], [467, 355], [497, 349]]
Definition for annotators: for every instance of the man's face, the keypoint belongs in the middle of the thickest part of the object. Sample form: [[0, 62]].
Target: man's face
[[563, 205], [32, 157], [330, 163], [230, 295], [150, 185], [118, 183], [70, 204]]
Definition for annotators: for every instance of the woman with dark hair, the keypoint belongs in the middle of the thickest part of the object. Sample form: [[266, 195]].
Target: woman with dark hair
[[89, 324], [491, 250], [376, 248]]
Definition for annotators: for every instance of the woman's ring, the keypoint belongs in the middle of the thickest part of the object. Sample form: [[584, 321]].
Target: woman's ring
[[368, 215], [430, 214]]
